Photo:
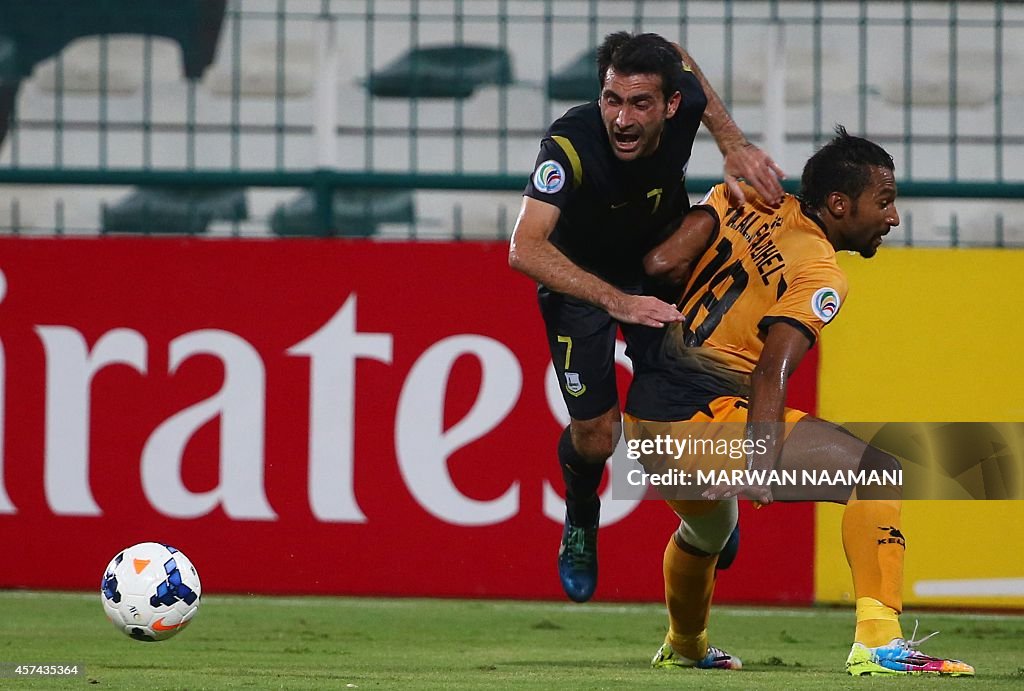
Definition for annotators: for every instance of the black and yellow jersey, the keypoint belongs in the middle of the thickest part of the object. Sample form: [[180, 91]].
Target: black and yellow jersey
[[613, 211], [763, 266]]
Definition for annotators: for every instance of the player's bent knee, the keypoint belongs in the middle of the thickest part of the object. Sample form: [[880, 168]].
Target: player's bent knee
[[877, 463], [595, 447], [595, 439], [709, 532]]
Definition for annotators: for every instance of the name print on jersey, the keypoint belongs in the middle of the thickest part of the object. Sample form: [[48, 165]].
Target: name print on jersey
[[766, 256]]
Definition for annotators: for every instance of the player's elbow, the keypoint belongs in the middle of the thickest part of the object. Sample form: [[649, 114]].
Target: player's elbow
[[663, 268], [516, 260]]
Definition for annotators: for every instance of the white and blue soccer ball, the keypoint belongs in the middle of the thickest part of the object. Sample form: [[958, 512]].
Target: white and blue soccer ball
[[150, 591]]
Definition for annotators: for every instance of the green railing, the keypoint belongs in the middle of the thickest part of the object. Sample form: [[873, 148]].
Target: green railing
[[334, 97]]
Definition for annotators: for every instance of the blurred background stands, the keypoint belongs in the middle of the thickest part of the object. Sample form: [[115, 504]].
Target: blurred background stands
[[408, 118]]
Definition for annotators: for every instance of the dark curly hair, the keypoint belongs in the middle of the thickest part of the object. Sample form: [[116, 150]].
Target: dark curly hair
[[842, 165], [631, 54]]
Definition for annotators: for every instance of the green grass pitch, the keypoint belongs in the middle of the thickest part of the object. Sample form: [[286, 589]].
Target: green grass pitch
[[322, 642]]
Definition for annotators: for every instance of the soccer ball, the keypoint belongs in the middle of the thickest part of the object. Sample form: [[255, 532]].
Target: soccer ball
[[150, 591]]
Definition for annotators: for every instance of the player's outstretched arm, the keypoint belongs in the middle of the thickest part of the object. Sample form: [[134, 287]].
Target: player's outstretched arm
[[531, 252], [784, 348], [742, 159]]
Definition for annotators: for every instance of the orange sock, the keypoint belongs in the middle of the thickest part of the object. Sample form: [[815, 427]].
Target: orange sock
[[689, 583], [875, 549]]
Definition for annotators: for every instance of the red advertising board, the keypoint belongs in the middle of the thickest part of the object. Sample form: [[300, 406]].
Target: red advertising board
[[308, 416]]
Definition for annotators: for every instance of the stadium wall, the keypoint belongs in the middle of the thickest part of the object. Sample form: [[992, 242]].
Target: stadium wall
[[309, 416], [931, 335]]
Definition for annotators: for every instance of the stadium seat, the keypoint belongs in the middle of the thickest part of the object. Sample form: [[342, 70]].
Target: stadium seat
[[442, 72], [577, 81], [82, 68], [930, 81], [41, 29], [186, 211], [258, 71], [357, 213]]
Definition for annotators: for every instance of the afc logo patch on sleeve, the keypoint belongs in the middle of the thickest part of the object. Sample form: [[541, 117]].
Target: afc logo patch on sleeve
[[825, 304], [549, 177]]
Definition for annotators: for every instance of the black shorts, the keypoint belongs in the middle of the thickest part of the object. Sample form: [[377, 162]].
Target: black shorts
[[581, 338]]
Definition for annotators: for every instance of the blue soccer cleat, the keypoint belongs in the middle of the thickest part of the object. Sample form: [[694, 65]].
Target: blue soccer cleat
[[577, 561]]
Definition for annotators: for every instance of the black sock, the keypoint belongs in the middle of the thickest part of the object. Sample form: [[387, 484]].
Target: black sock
[[581, 482]]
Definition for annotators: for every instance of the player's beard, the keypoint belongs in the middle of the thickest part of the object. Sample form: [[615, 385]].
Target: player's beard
[[869, 248]]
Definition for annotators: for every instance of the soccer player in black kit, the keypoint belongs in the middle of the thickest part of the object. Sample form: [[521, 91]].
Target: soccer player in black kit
[[608, 186]]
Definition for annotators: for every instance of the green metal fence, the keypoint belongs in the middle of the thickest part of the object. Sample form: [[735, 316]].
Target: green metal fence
[[365, 116]]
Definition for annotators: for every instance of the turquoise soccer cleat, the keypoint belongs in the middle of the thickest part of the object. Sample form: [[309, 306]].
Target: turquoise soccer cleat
[[577, 561]]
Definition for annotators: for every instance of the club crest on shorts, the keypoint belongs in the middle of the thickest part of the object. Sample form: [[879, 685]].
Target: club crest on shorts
[[825, 304], [549, 177], [573, 384]]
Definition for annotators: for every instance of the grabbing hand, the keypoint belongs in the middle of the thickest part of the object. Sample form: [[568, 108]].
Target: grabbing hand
[[758, 169], [758, 493]]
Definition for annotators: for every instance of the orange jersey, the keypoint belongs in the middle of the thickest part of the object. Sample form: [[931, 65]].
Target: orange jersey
[[763, 266], [766, 265]]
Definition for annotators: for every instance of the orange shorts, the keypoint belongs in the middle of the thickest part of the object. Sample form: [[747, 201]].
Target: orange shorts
[[704, 443]]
